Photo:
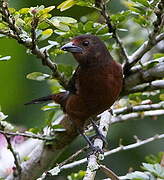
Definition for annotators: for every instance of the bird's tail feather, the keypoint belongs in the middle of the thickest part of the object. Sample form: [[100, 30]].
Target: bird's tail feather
[[40, 100]]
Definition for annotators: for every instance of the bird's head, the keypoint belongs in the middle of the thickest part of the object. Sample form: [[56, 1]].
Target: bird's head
[[87, 49]]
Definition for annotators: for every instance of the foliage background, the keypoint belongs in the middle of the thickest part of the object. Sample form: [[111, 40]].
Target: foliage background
[[15, 90]]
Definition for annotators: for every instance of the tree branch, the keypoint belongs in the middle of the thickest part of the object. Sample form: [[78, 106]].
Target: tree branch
[[112, 29], [93, 158], [139, 108], [115, 150], [16, 171], [29, 135], [143, 75], [154, 85], [29, 43], [154, 38]]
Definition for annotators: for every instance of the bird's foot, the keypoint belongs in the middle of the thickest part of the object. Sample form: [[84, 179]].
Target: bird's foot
[[94, 149], [98, 133]]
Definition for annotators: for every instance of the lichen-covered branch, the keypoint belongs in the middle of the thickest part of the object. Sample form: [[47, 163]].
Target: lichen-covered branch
[[143, 75], [115, 150], [93, 158], [139, 108]]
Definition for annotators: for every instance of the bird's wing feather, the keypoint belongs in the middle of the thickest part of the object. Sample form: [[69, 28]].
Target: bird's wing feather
[[72, 86]]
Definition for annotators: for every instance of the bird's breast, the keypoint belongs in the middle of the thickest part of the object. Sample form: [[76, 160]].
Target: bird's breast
[[99, 87]]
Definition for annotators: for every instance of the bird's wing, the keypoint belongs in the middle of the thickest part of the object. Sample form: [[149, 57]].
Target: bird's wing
[[72, 86]]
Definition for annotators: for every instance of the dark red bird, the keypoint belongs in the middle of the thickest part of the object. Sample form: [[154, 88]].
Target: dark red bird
[[95, 85]]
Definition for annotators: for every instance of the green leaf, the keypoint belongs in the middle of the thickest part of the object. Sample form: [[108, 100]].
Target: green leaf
[[62, 23], [66, 5], [6, 58], [87, 3], [142, 2], [67, 69], [120, 17], [24, 10], [150, 65], [38, 76], [34, 130], [156, 169], [161, 97], [141, 20], [45, 10], [3, 26], [3, 116], [45, 34], [58, 127], [50, 106], [152, 159], [137, 175], [58, 19], [158, 55], [76, 176], [88, 26]]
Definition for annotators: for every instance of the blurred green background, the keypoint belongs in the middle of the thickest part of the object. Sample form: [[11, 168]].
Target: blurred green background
[[15, 90]]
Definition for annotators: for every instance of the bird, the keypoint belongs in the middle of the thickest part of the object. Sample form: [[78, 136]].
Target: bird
[[95, 84]]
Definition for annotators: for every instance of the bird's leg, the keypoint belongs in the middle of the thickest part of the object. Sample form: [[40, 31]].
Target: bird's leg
[[98, 133], [91, 145]]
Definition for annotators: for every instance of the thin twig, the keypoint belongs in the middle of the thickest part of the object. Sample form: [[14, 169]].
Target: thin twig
[[112, 29], [34, 136], [139, 108], [154, 85], [18, 169], [109, 172], [115, 150], [68, 160]]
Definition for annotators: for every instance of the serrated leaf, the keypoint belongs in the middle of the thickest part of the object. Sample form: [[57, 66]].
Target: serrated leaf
[[6, 58], [38, 76], [66, 5]]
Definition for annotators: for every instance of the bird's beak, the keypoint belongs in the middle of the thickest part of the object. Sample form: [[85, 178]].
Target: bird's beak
[[70, 47]]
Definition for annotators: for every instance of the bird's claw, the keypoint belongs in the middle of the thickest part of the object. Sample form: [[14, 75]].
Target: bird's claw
[[98, 133], [95, 150]]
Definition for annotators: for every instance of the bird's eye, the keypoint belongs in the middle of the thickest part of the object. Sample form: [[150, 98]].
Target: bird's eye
[[85, 43]]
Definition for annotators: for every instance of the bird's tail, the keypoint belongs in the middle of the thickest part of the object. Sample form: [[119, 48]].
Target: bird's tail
[[40, 100], [59, 98]]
